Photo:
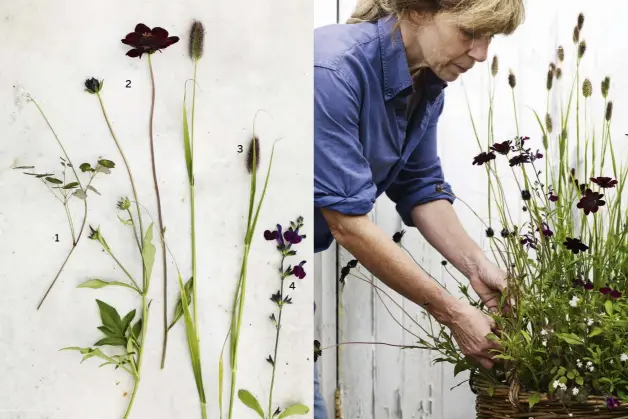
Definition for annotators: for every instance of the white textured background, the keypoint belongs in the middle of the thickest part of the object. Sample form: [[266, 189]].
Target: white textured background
[[257, 56], [383, 382]]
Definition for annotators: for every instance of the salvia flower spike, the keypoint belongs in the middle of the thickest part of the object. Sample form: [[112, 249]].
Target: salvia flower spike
[[197, 40]]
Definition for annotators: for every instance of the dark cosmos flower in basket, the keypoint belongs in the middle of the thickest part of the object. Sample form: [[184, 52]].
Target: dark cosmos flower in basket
[[575, 245], [612, 402], [398, 236], [609, 291], [483, 157], [503, 147], [604, 182], [591, 201], [145, 40]]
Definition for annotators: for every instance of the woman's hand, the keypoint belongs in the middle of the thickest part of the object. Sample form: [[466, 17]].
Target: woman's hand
[[470, 328], [489, 282]]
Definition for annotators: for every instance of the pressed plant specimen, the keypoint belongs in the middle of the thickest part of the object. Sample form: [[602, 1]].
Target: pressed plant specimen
[[252, 165], [64, 190], [118, 331], [188, 290], [284, 243], [145, 40]]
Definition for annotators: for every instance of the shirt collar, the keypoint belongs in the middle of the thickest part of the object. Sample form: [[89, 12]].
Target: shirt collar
[[395, 63]]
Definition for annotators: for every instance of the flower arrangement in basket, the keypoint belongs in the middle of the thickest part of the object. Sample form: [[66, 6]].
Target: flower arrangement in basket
[[563, 325], [564, 352]]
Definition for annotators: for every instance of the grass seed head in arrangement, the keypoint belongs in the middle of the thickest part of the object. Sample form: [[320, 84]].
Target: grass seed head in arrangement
[[197, 40], [495, 66], [253, 148]]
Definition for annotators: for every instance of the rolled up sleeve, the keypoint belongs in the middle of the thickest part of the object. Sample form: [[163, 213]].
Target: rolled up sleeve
[[342, 175], [421, 180]]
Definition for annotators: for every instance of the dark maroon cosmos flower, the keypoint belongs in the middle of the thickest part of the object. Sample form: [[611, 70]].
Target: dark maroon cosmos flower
[[588, 285], [578, 282], [519, 160], [604, 182], [575, 245], [145, 40], [501, 148], [591, 201], [483, 157], [398, 236], [525, 195]]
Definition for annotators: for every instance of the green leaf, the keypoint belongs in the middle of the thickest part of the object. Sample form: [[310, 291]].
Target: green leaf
[[570, 338], [609, 307], [187, 146], [79, 193], [534, 399], [91, 188], [178, 312], [526, 336], [492, 337], [113, 341], [295, 409], [110, 316], [99, 283], [148, 253], [460, 366], [54, 180], [491, 390], [125, 222], [71, 185], [251, 402], [580, 381], [137, 330], [571, 375], [103, 169], [596, 331], [109, 332], [106, 163], [86, 167], [40, 176], [126, 321]]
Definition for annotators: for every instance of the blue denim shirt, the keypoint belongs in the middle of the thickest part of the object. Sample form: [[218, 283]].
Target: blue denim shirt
[[365, 144]]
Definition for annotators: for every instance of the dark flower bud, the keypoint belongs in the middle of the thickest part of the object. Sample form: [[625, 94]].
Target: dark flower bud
[[352, 263], [550, 79], [504, 233], [609, 111], [197, 37], [580, 21], [124, 204], [93, 86], [253, 155], [398, 236], [582, 48], [606, 84], [93, 234], [525, 195], [576, 35], [587, 88], [561, 53], [548, 123], [490, 232], [524, 209], [494, 66], [443, 262], [512, 80]]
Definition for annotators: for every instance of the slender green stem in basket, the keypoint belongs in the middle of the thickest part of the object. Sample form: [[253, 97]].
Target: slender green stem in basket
[[75, 239], [272, 380], [159, 214]]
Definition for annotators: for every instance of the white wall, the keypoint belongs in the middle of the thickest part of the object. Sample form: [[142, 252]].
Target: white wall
[[257, 56], [384, 382]]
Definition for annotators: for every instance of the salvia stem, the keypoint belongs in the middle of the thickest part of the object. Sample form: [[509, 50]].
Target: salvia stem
[[272, 380]]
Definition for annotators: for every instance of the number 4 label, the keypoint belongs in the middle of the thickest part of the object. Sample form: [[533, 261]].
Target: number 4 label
[[292, 286]]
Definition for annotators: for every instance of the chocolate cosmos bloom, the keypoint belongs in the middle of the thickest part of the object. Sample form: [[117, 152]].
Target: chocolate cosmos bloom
[[575, 245], [604, 182], [612, 403], [146, 41], [501, 148], [519, 160], [591, 202], [483, 157]]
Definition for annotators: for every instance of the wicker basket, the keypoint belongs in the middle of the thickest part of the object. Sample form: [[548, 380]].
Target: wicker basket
[[513, 403]]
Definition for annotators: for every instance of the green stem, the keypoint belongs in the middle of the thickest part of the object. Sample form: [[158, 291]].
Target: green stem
[[272, 381], [192, 210], [78, 180], [159, 214], [136, 384], [122, 267], [67, 213], [140, 354], [126, 164]]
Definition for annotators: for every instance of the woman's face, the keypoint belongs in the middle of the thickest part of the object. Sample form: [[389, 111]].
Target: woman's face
[[443, 45]]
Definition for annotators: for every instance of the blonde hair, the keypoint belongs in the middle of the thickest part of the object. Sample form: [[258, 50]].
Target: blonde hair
[[478, 16]]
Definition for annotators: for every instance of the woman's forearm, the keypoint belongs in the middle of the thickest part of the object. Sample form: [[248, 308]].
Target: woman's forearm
[[438, 223], [389, 263]]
